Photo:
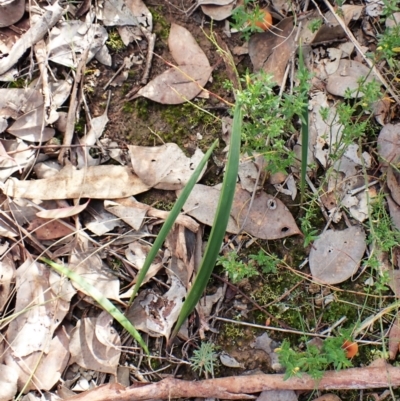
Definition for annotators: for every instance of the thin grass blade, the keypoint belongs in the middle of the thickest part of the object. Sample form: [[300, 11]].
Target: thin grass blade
[[104, 302], [219, 225], [169, 222], [304, 122]]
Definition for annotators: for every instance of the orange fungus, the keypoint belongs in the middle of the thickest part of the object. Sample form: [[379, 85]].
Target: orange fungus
[[350, 348], [266, 20]]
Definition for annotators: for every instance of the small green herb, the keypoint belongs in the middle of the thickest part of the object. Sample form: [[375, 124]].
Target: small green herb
[[204, 359], [314, 360], [236, 269]]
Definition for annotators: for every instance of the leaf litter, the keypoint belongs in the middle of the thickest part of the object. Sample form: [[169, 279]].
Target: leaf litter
[[48, 204]]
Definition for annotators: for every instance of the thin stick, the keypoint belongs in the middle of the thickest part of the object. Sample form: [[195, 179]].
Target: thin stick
[[73, 106]]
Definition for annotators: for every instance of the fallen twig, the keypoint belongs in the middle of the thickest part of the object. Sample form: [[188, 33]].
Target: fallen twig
[[73, 106], [242, 387]]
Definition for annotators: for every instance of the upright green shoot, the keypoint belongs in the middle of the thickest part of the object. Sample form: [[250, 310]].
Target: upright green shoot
[[220, 221], [169, 222], [304, 87]]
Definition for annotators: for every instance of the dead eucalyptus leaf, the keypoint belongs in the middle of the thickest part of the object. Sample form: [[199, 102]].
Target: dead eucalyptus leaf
[[176, 85], [184, 48], [71, 37], [29, 127], [39, 310], [218, 12], [7, 278], [98, 182], [394, 210], [11, 12], [48, 367], [88, 264], [271, 52], [8, 382], [389, 143], [164, 167], [95, 344], [393, 182], [63, 212], [48, 229], [346, 78], [394, 338], [335, 256], [268, 218]]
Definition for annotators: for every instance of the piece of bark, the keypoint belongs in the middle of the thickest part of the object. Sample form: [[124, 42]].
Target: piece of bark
[[241, 387]]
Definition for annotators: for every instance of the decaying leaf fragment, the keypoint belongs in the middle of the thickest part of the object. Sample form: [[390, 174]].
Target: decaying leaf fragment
[[156, 314], [336, 255]]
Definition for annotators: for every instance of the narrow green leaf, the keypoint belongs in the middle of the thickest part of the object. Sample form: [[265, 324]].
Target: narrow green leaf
[[104, 302], [219, 225], [169, 222], [304, 123]]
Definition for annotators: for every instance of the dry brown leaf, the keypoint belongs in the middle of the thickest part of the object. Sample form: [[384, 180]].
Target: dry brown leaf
[[156, 314], [220, 10], [95, 344], [184, 48], [347, 76], [394, 210], [47, 367], [389, 143], [62, 212], [47, 230], [45, 307], [271, 52], [164, 167], [7, 278], [268, 219], [176, 85], [182, 243], [136, 253], [8, 382], [29, 127], [11, 12], [87, 263], [21, 158], [394, 338], [393, 182], [335, 256], [99, 182]]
